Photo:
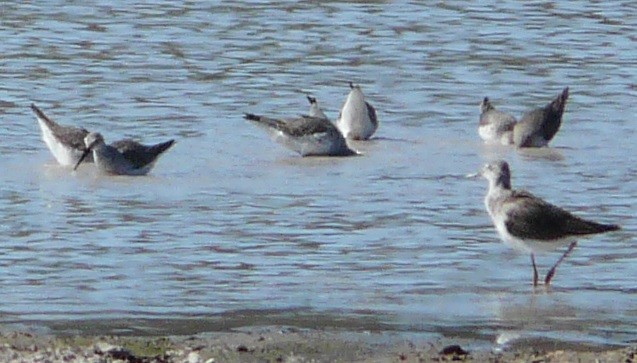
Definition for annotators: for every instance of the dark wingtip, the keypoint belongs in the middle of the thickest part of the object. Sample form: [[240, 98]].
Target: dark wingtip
[[311, 99], [37, 111], [251, 117], [601, 228], [161, 147], [564, 95], [613, 227], [351, 85], [559, 103], [41, 114]]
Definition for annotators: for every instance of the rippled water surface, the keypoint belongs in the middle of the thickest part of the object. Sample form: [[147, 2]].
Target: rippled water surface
[[229, 222]]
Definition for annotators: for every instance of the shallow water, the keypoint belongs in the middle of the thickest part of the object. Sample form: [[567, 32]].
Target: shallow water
[[229, 222]]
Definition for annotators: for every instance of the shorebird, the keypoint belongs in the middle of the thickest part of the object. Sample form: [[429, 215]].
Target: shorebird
[[537, 127], [124, 157], [357, 119], [495, 126], [66, 143], [315, 110], [528, 223], [307, 135]]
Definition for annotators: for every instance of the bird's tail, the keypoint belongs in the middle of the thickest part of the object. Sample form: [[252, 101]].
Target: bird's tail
[[607, 227], [263, 121], [590, 227], [485, 105], [162, 146], [41, 116]]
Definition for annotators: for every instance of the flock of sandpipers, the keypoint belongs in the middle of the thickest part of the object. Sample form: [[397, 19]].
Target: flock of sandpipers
[[523, 221]]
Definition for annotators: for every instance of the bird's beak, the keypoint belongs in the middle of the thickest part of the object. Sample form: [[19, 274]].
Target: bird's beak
[[88, 150], [476, 174]]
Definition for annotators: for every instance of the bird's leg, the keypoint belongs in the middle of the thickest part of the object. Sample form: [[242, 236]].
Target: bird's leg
[[535, 276], [549, 275]]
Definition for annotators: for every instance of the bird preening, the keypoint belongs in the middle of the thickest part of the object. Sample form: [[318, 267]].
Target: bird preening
[[536, 128], [357, 119], [522, 220], [306, 135], [315, 134], [124, 157], [72, 145]]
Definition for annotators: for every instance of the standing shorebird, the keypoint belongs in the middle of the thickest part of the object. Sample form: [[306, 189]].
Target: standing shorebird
[[537, 127], [307, 135], [495, 126], [357, 119], [528, 223], [66, 143], [124, 157], [315, 110]]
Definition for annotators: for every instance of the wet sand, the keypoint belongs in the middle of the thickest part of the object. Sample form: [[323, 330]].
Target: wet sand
[[286, 344]]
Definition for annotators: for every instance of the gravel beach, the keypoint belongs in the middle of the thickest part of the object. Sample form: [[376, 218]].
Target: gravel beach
[[286, 345]]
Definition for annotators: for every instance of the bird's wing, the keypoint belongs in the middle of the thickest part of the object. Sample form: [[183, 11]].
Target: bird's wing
[[371, 112], [140, 155], [306, 125], [72, 136], [69, 135], [529, 126], [553, 115], [532, 218]]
